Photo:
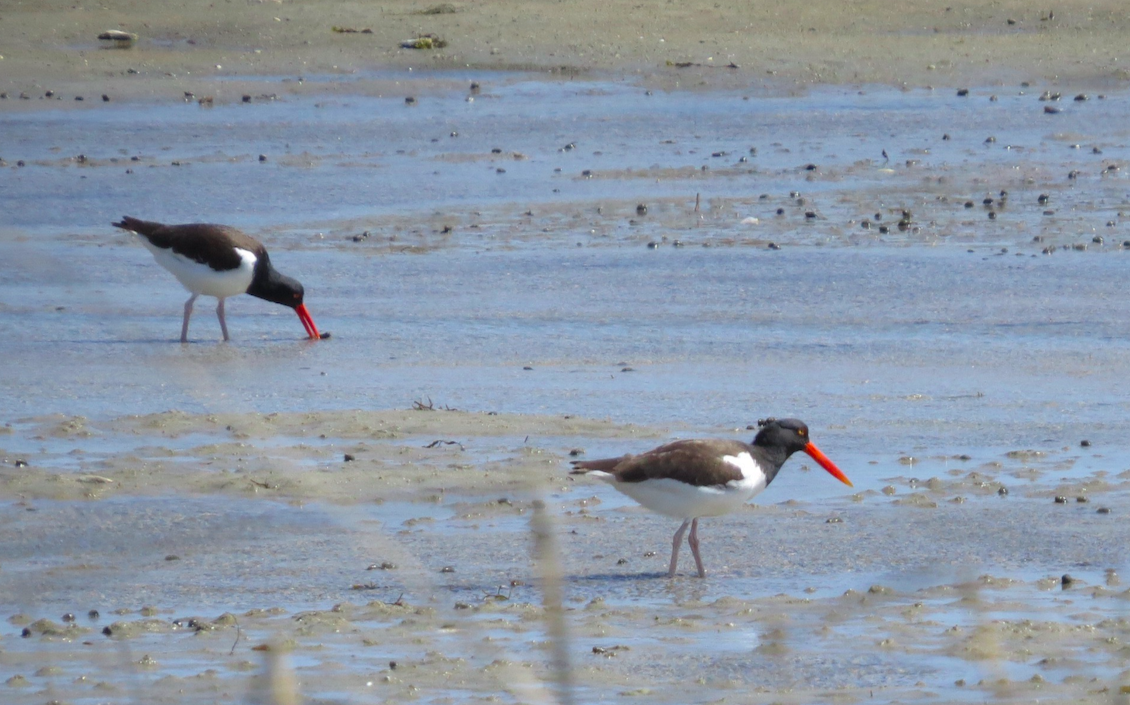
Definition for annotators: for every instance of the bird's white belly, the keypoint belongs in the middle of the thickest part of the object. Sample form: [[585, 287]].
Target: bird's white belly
[[682, 501], [202, 279]]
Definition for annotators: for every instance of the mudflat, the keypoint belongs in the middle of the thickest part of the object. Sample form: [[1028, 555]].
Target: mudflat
[[692, 43], [520, 272]]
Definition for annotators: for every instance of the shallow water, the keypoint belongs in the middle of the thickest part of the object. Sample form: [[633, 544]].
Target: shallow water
[[926, 360]]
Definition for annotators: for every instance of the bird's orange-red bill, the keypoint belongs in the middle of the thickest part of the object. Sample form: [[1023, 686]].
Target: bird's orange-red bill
[[827, 464], [308, 322]]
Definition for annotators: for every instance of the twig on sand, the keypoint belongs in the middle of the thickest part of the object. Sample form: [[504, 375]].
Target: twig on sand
[[436, 443], [238, 634], [549, 563], [429, 406]]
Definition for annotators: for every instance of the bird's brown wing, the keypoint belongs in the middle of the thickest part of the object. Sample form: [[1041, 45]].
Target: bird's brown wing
[[206, 243], [695, 462]]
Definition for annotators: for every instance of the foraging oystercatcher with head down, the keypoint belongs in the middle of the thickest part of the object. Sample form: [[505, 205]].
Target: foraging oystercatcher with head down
[[692, 479], [220, 261]]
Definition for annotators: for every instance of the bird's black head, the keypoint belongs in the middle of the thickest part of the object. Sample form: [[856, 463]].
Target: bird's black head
[[269, 285], [780, 438], [277, 288], [789, 435]]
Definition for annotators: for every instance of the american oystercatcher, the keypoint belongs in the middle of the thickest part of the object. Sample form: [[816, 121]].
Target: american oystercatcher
[[692, 479], [220, 261]]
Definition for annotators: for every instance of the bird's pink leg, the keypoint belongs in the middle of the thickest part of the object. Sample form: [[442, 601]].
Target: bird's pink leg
[[187, 315], [223, 323], [693, 541], [675, 548]]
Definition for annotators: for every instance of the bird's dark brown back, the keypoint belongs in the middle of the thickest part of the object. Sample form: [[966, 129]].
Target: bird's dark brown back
[[206, 243], [695, 462]]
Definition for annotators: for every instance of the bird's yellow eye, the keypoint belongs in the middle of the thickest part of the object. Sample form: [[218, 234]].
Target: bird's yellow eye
[[802, 431]]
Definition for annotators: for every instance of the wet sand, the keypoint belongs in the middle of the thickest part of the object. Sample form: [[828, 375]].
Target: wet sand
[[407, 573], [53, 45], [211, 522]]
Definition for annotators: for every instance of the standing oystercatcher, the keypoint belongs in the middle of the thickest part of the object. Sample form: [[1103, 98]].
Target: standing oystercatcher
[[220, 261], [706, 478]]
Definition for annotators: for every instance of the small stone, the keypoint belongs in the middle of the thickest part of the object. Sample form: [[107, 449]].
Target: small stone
[[347, 458]]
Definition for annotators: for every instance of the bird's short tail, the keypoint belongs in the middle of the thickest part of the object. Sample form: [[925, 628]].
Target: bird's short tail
[[141, 227], [581, 467]]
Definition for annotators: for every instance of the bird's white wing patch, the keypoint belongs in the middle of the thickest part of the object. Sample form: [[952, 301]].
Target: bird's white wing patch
[[746, 464]]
